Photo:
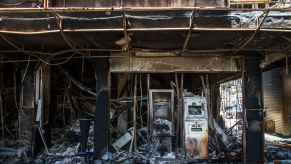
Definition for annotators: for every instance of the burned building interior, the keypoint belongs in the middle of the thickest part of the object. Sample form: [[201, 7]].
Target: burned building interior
[[145, 81]]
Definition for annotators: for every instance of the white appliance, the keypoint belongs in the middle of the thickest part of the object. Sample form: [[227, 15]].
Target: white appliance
[[195, 127]]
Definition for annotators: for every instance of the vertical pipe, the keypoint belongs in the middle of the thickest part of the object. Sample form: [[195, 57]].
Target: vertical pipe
[[109, 109], [133, 144], [134, 112], [178, 89], [148, 103], [181, 113], [141, 99]]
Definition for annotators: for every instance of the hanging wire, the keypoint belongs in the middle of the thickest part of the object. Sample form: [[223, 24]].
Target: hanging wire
[[265, 15], [141, 99], [51, 54], [286, 64], [26, 69]]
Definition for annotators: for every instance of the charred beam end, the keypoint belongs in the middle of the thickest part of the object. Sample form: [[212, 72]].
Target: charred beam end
[[101, 116], [254, 143]]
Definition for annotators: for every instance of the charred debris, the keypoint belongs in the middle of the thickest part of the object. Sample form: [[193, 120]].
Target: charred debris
[[144, 81]]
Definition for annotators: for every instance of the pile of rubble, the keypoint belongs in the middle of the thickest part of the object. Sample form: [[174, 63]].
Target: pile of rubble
[[66, 147], [277, 148], [223, 145], [15, 155]]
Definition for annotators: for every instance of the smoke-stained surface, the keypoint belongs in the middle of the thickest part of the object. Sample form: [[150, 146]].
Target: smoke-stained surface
[[211, 29]]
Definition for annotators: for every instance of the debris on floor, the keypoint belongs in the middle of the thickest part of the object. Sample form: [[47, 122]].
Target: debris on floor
[[277, 148], [66, 148]]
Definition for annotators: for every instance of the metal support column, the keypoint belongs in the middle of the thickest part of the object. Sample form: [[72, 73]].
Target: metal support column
[[254, 134], [102, 106]]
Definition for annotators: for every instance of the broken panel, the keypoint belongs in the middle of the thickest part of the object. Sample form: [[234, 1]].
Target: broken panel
[[161, 119]]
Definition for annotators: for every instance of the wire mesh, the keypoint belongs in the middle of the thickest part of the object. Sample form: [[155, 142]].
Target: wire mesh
[[231, 105]]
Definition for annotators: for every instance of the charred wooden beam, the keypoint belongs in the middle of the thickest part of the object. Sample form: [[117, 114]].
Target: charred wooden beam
[[174, 64]]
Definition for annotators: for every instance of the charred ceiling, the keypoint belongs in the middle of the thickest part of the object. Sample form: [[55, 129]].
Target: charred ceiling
[[138, 73], [193, 30]]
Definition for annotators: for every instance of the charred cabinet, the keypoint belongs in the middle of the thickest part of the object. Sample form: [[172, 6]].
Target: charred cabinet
[[161, 119], [195, 127]]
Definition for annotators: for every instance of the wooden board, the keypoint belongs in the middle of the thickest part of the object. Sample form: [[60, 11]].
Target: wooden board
[[166, 64]]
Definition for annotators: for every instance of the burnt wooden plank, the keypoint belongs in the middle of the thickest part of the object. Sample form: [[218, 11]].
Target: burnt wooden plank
[[174, 64]]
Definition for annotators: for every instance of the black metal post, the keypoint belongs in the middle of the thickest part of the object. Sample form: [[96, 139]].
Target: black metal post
[[84, 129], [101, 115], [254, 146]]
